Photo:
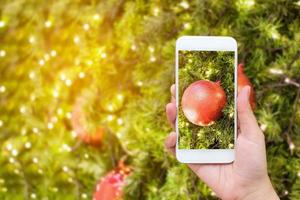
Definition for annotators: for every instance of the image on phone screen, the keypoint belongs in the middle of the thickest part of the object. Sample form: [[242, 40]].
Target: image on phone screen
[[206, 99]]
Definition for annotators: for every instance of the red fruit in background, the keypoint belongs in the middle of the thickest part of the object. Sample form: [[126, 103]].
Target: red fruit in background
[[243, 80], [202, 102], [110, 186], [78, 122]]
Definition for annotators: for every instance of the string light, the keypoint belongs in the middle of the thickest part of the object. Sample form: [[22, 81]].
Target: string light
[[9, 146], [86, 156], [35, 130], [120, 121], [81, 75], [133, 47], [76, 39], [55, 93], [187, 25], [65, 169], [48, 24], [27, 145], [276, 71], [14, 152], [69, 115], [62, 76], [184, 4], [2, 89], [110, 107], [263, 127], [73, 134], [120, 97], [84, 195], [151, 49], [140, 83], [66, 148], [11, 160], [1, 123], [2, 53], [35, 160], [68, 82], [31, 75], [22, 109], [41, 62], [103, 55], [110, 117], [86, 27], [31, 39], [152, 59], [33, 195], [53, 53], [292, 146], [96, 17], [60, 111], [2, 24], [156, 11], [50, 125]]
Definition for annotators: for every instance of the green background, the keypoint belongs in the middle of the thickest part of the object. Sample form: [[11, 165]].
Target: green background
[[213, 66], [127, 48]]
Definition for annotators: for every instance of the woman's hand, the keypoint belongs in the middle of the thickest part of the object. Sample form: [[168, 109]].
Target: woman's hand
[[247, 176]]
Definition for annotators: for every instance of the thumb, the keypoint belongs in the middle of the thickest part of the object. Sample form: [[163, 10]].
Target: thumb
[[247, 121]]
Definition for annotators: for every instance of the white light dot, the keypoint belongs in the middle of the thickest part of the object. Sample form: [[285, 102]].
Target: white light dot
[[31, 39], [47, 57], [54, 119], [31, 75], [86, 156], [184, 4], [40, 171], [96, 17], [35, 130], [16, 171], [187, 25], [156, 11], [133, 47], [62, 76], [2, 53], [60, 111], [110, 117], [48, 24], [110, 107], [4, 189], [2, 24], [73, 134], [35, 160], [286, 192], [140, 83], [11, 160], [263, 127], [152, 59], [68, 82], [53, 53], [89, 62], [76, 39], [28, 145], [1, 123], [65, 169], [276, 71], [120, 97], [9, 146], [292, 146], [14, 152], [151, 49], [86, 27], [69, 115], [81, 75], [22, 109], [103, 55], [298, 174], [66, 147], [84, 195], [2, 88], [33, 196], [120, 121], [41, 62], [55, 93], [50, 125], [287, 80]]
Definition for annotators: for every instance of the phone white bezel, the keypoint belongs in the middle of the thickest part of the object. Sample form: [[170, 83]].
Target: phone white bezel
[[206, 43]]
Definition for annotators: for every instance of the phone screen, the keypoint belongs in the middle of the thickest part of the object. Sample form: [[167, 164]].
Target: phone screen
[[206, 103]]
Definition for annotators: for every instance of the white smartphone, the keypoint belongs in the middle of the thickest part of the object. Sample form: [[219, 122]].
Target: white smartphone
[[206, 91]]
